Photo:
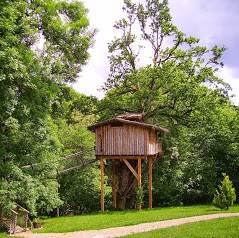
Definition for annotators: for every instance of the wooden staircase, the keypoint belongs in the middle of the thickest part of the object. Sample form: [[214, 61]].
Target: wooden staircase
[[16, 220]]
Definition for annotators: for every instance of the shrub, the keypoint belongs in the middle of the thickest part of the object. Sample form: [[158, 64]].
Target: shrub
[[225, 195]]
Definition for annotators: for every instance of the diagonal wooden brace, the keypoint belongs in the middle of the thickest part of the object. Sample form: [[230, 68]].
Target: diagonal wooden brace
[[131, 168]]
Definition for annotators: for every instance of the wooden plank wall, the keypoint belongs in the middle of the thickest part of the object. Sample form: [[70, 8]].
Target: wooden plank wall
[[154, 146], [125, 140]]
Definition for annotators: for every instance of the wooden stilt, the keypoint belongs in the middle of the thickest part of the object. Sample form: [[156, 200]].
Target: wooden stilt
[[1, 214], [139, 180], [150, 183], [102, 185], [114, 185], [57, 212]]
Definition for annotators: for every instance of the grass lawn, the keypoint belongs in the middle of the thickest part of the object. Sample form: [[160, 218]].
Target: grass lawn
[[3, 234], [218, 228], [124, 218]]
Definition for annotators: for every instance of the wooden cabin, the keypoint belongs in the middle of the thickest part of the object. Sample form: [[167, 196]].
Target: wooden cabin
[[127, 135], [125, 141]]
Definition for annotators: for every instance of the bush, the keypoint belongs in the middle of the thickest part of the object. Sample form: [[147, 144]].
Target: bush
[[226, 195]]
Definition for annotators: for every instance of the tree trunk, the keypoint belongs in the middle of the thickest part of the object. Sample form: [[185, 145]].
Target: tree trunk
[[126, 185]]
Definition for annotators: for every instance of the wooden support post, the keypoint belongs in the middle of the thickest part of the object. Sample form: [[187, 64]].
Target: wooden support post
[[102, 184], [57, 212], [150, 183], [114, 185], [1, 214], [25, 220], [139, 181]]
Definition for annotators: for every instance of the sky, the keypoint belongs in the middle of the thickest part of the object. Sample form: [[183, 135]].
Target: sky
[[215, 22]]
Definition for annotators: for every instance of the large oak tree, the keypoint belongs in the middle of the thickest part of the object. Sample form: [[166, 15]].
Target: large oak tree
[[157, 70]]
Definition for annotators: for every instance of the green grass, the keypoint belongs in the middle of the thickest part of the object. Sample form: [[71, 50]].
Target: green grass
[[125, 218], [3, 234], [217, 228]]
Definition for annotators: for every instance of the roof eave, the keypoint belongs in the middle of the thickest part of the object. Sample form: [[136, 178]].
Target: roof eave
[[154, 127]]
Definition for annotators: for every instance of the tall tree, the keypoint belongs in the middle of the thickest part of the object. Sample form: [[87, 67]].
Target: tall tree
[[180, 78], [177, 87], [43, 45]]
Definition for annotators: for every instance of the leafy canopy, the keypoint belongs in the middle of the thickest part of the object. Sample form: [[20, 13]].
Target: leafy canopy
[[177, 80], [43, 45]]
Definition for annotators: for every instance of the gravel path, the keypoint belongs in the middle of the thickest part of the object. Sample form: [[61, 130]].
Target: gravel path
[[127, 230]]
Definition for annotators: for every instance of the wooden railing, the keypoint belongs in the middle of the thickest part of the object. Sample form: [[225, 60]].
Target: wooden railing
[[10, 221], [27, 222], [16, 220]]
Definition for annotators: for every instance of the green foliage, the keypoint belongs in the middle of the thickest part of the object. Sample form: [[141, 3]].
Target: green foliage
[[80, 191], [225, 196], [37, 219], [167, 183], [195, 158], [139, 195], [43, 46]]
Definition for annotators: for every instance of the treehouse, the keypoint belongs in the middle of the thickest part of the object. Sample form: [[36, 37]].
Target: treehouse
[[125, 142]]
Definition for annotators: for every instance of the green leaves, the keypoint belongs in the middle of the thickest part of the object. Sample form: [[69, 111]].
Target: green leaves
[[43, 45], [66, 38]]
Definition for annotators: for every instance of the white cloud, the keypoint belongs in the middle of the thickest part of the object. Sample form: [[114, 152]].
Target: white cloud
[[228, 75], [103, 15]]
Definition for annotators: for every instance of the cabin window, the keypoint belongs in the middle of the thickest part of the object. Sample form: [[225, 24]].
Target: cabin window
[[117, 124], [158, 136]]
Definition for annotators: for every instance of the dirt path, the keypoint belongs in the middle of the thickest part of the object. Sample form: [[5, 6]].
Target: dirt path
[[127, 230]]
